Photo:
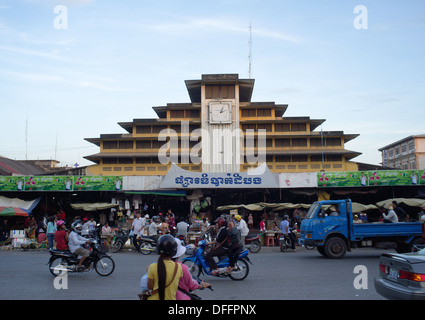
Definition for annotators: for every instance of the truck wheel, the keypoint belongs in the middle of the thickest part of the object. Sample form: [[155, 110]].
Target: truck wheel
[[403, 247], [335, 248], [321, 250]]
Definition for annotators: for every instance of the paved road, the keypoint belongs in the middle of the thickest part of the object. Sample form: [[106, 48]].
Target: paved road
[[273, 276]]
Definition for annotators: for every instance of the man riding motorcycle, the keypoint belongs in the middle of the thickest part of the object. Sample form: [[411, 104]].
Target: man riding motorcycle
[[75, 240], [221, 244]]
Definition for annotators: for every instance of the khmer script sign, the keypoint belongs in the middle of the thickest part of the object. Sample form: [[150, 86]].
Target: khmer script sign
[[260, 177]]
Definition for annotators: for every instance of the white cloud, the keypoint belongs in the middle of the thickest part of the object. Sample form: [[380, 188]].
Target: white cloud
[[219, 25]]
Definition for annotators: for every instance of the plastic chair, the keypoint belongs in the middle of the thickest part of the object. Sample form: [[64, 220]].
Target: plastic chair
[[270, 240]]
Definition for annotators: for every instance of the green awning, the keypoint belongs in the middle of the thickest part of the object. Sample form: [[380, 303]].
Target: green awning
[[172, 193]]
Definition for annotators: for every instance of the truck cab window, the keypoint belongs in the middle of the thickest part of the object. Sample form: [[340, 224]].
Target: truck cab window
[[333, 211]]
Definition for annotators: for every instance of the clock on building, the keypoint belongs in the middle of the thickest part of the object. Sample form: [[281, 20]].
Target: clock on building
[[220, 112]]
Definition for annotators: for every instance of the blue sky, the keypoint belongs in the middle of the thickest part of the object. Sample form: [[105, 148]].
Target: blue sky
[[117, 59]]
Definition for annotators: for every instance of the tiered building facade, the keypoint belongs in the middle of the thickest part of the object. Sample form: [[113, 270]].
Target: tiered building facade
[[221, 130]]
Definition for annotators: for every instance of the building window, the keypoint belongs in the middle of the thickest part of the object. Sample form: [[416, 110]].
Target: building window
[[267, 127], [269, 143], [315, 142], [282, 127], [282, 159], [404, 148], [298, 127], [333, 142], [158, 129], [125, 144], [280, 143], [176, 114], [299, 142], [249, 113], [264, 112], [334, 157], [300, 158], [110, 144], [316, 158], [143, 144], [157, 144], [143, 129], [246, 127], [110, 161], [125, 161], [193, 113], [220, 92], [177, 129]]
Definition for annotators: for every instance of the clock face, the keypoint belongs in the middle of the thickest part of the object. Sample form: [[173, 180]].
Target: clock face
[[220, 112]]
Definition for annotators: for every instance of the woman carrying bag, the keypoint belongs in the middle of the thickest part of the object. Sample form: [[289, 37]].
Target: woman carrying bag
[[164, 276]]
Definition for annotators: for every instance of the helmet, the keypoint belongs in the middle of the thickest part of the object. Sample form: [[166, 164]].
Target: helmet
[[238, 217], [77, 226], [59, 223], [167, 245], [156, 218], [285, 216], [180, 248], [220, 221]]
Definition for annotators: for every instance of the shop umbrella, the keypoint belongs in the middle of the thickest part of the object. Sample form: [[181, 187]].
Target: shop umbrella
[[12, 211]]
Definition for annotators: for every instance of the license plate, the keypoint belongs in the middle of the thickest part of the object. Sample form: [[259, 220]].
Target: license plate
[[393, 273]]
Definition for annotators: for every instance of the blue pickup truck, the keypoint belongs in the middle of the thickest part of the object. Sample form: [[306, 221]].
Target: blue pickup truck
[[328, 226]]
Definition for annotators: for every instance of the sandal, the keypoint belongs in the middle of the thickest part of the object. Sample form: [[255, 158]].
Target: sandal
[[215, 272]]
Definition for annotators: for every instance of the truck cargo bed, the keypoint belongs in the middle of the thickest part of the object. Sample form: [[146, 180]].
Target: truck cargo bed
[[386, 229]]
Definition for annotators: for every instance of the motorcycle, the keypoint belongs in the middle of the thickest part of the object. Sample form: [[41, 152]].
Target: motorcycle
[[197, 264], [253, 243], [68, 261], [285, 240], [147, 245], [119, 240]]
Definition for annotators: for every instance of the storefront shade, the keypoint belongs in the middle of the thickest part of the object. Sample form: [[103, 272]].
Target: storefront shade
[[11, 212]]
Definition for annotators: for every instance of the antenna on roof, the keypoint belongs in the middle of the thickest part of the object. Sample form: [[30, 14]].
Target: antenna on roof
[[250, 50], [56, 147], [26, 138]]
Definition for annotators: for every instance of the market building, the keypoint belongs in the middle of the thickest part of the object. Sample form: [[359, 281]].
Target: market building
[[221, 151], [221, 130]]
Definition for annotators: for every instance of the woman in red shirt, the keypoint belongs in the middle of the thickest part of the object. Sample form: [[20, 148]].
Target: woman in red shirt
[[61, 236]]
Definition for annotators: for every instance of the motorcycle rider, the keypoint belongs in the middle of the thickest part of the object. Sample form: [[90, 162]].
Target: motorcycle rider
[[75, 240], [284, 226], [221, 244], [235, 245], [154, 227], [138, 226]]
